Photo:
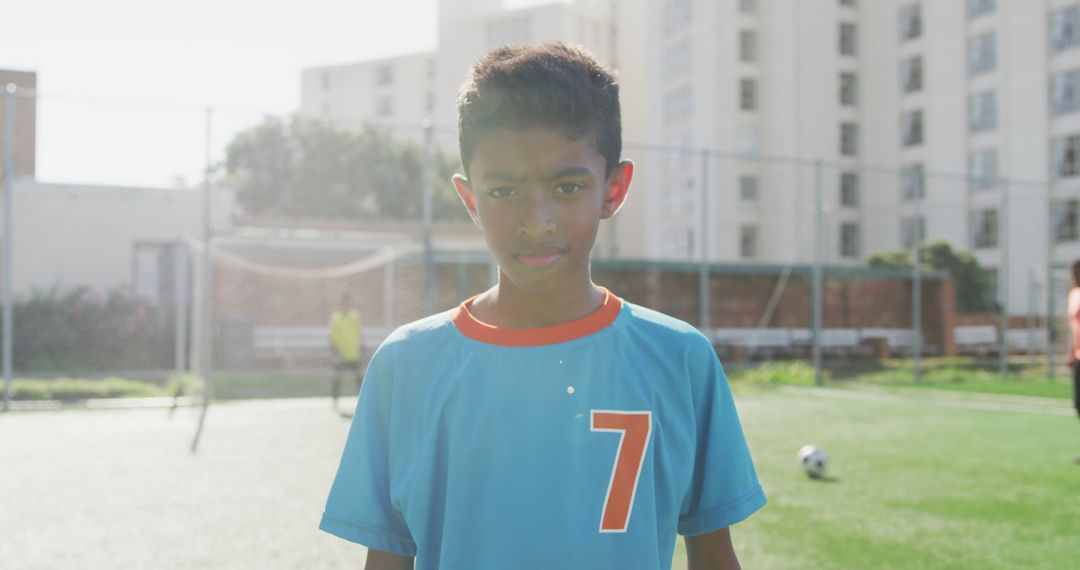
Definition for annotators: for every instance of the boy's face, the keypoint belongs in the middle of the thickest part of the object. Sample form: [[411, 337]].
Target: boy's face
[[538, 195]]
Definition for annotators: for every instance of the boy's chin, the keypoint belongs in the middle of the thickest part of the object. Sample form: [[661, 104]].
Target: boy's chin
[[538, 284]]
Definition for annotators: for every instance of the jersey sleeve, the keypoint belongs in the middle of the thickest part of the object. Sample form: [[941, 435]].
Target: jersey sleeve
[[359, 508], [725, 487]]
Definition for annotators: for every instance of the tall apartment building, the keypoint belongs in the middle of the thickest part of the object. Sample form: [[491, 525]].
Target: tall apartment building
[[917, 111]]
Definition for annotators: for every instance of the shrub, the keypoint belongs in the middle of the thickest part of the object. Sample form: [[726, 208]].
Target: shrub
[[78, 330]]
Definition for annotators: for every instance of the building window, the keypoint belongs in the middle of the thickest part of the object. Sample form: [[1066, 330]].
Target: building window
[[152, 272], [384, 106], [677, 14], [912, 232], [679, 242], [748, 242], [849, 89], [848, 41], [984, 111], [747, 94], [849, 3], [678, 105], [910, 22], [978, 8], [326, 80], [983, 169], [849, 139], [911, 75], [984, 228], [1066, 92], [429, 104], [511, 31], [1064, 28], [679, 198], [982, 54], [912, 182], [1066, 156], [1066, 215], [431, 68], [748, 139], [911, 128], [677, 60], [747, 6], [849, 189], [849, 240], [748, 188], [384, 74], [747, 46], [680, 157]]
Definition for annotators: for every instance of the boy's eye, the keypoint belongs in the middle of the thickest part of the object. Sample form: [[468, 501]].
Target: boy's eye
[[501, 192], [569, 188]]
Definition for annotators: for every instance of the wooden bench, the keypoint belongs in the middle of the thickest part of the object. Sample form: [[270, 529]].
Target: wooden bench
[[740, 343], [980, 339], [839, 342], [308, 343], [1023, 340]]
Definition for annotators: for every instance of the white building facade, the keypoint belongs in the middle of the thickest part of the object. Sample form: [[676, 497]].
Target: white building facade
[[914, 119]]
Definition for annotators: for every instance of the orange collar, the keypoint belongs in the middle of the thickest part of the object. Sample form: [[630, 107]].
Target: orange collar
[[478, 330]]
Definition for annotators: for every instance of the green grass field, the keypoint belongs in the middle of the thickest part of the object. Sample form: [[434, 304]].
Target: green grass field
[[914, 482], [910, 485]]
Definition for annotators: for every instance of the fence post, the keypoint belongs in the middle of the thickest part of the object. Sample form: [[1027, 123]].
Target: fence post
[[1050, 289], [389, 294], [916, 285], [1003, 279], [819, 245], [206, 367], [704, 298], [9, 180], [426, 177], [180, 307]]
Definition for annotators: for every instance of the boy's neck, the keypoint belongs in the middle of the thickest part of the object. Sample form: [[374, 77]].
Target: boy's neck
[[506, 306]]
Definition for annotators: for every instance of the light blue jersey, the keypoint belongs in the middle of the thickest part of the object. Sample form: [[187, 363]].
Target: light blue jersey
[[584, 445]]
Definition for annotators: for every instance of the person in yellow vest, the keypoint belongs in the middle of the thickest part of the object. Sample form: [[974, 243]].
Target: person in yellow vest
[[345, 344]]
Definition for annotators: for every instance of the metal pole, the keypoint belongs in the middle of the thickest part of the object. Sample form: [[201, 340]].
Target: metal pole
[[1050, 289], [819, 245], [1032, 290], [426, 191], [180, 284], [9, 233], [205, 339], [389, 293], [703, 270], [1003, 278], [916, 286]]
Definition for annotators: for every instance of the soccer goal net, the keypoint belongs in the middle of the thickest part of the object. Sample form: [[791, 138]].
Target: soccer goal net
[[263, 330]]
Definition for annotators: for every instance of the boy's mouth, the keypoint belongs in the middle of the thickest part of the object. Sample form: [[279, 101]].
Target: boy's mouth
[[540, 258]]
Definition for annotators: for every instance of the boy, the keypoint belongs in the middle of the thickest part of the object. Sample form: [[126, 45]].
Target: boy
[[545, 423], [1074, 327], [345, 345]]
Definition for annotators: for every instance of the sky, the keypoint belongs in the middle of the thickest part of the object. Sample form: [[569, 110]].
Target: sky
[[124, 83]]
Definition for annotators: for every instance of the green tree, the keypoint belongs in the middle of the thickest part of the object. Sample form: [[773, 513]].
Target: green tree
[[299, 167], [974, 286]]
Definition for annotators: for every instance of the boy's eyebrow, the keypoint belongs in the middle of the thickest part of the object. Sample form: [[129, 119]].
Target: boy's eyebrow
[[499, 176]]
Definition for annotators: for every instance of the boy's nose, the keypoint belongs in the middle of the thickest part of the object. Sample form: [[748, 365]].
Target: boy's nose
[[538, 221]]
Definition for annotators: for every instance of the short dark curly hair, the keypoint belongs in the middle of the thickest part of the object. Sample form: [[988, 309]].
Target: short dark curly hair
[[554, 84]]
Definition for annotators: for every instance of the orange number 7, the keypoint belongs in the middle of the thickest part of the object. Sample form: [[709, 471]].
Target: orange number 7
[[634, 429]]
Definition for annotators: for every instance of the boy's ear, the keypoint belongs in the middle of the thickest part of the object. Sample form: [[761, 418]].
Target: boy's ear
[[464, 191], [618, 184]]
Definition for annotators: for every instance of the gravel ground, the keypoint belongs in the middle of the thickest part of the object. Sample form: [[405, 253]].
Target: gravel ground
[[120, 488]]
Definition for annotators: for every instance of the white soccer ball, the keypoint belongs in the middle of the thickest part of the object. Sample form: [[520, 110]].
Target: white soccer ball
[[813, 461]]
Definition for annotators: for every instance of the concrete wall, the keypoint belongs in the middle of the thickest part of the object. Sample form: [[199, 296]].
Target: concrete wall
[[75, 235]]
